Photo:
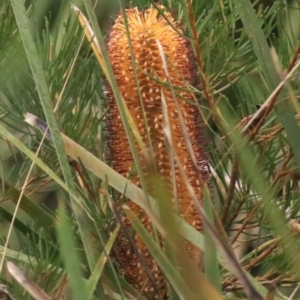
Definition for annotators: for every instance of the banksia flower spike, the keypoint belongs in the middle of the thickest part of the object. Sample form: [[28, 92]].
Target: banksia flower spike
[[143, 98]]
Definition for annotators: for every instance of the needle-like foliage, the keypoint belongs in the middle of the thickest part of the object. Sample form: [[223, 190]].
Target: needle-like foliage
[[61, 203]]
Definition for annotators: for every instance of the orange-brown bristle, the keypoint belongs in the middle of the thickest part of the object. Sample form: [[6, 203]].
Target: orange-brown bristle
[[145, 28]]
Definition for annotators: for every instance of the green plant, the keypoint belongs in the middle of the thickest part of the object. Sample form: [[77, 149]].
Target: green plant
[[52, 73]]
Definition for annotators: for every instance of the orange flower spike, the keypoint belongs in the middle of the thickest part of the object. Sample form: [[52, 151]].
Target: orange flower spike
[[145, 28]]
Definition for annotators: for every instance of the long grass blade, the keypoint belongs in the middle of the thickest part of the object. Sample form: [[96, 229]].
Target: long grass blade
[[95, 276], [70, 256], [40, 215], [210, 254]]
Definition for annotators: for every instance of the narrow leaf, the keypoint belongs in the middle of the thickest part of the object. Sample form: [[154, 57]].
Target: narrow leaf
[[210, 254], [70, 256], [96, 274]]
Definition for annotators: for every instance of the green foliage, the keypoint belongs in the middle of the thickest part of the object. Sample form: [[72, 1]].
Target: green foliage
[[47, 68]]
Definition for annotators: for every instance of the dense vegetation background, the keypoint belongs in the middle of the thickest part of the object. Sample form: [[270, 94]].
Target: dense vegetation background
[[56, 218]]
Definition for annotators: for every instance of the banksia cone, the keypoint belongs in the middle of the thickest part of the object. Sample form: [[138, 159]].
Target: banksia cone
[[145, 29]]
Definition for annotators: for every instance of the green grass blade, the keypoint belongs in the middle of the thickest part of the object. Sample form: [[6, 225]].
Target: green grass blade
[[18, 256], [210, 254], [70, 256], [95, 276], [36, 212]]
